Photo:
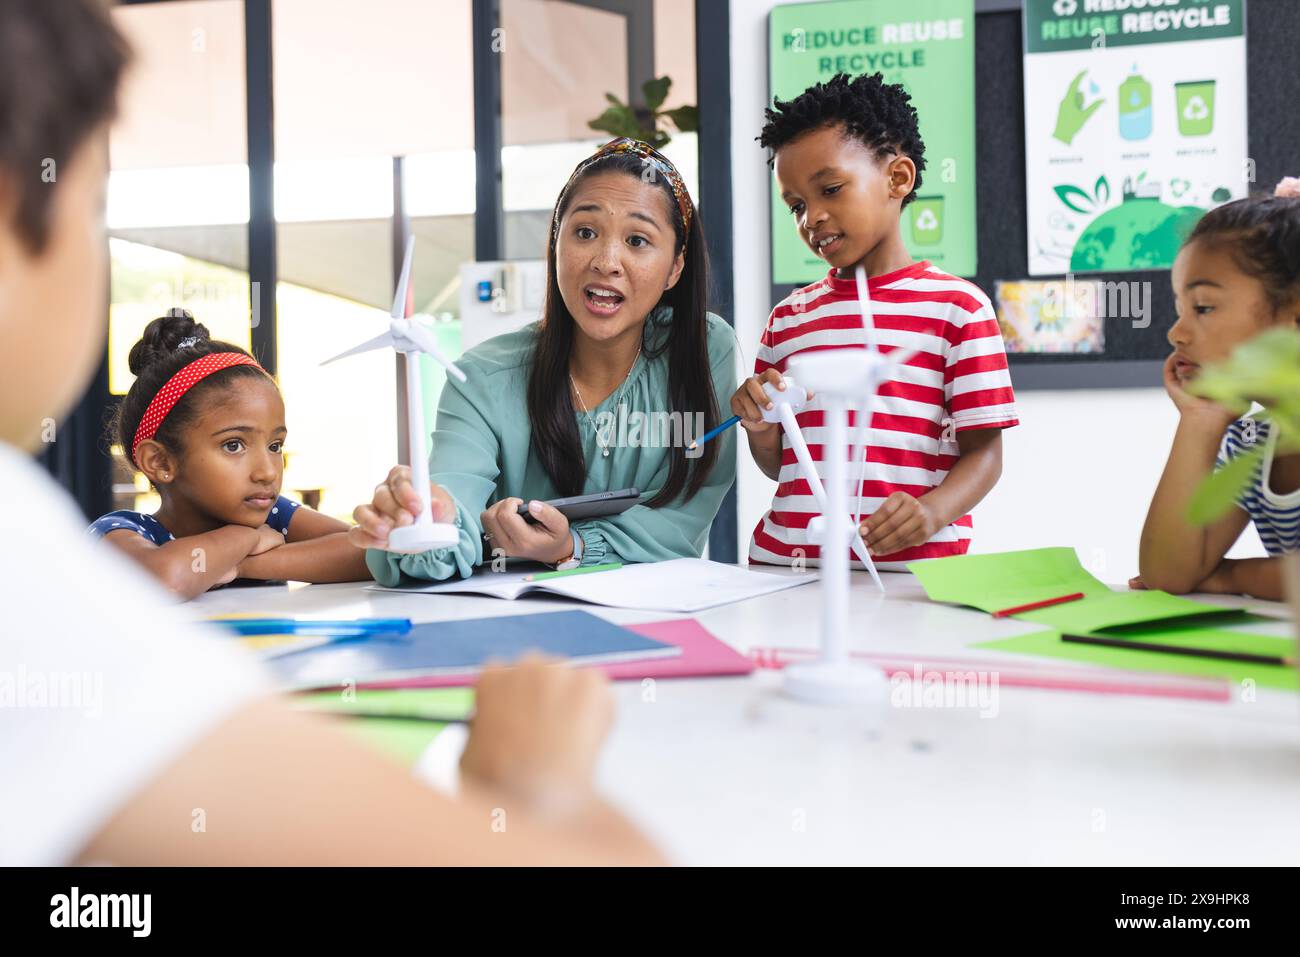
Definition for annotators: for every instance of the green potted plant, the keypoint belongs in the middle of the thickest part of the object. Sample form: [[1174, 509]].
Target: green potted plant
[[1263, 370], [642, 122]]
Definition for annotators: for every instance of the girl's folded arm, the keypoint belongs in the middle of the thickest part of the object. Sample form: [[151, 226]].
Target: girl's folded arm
[[189, 566], [1254, 577], [328, 558], [1175, 555]]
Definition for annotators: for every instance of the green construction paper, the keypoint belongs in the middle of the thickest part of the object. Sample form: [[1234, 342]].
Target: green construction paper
[[1011, 579], [1005, 579], [1048, 644], [1123, 609], [404, 736], [444, 703]]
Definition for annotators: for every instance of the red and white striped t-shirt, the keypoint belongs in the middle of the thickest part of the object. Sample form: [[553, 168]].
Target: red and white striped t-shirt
[[958, 380]]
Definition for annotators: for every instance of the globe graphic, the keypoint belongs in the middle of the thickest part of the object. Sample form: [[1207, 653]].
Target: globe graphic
[[1138, 234]]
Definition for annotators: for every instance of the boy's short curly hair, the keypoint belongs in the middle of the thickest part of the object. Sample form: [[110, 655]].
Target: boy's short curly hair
[[877, 113]]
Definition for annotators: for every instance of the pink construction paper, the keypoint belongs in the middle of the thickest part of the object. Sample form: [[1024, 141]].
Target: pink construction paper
[[702, 655]]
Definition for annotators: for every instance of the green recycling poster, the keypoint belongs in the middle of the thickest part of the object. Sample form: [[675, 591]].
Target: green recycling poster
[[929, 47], [1135, 126]]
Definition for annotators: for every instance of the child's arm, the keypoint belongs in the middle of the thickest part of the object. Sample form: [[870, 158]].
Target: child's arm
[[290, 788], [748, 402], [330, 558], [904, 521], [189, 566], [316, 549], [1255, 577], [1174, 555]]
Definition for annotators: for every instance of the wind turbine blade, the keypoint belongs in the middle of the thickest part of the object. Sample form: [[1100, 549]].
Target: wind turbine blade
[[400, 297], [899, 357], [422, 338], [864, 304], [801, 453], [381, 341], [809, 469], [860, 550]]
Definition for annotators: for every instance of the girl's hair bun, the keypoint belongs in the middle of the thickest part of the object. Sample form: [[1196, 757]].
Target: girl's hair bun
[[163, 336]]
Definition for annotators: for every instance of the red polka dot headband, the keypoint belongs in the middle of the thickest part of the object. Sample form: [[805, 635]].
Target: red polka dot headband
[[186, 378]]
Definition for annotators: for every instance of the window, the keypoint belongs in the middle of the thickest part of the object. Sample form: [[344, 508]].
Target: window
[[178, 187]]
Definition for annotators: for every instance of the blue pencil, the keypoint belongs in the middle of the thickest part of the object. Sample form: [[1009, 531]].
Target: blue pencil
[[713, 433], [350, 628]]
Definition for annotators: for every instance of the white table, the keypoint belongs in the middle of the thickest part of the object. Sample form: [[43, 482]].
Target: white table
[[729, 771]]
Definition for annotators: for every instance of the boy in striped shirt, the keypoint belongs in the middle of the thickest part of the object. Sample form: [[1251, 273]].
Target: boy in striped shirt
[[848, 158]]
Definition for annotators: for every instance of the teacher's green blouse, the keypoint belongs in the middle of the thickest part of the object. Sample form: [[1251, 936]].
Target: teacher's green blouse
[[482, 453]]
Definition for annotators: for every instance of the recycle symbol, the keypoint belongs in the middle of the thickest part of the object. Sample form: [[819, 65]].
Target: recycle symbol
[[1196, 109], [927, 220], [1065, 8]]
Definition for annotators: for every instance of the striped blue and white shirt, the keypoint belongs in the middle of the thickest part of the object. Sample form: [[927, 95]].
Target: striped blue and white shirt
[[1276, 516]]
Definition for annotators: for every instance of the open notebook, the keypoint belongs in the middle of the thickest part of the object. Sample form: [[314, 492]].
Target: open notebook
[[678, 585]]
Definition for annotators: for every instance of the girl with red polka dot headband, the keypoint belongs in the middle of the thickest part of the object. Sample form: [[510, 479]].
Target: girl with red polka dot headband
[[205, 424]]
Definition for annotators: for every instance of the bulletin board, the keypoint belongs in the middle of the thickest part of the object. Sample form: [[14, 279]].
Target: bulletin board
[[1131, 356]]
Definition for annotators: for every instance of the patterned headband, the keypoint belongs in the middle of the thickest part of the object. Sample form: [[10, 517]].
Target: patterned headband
[[651, 158], [186, 378]]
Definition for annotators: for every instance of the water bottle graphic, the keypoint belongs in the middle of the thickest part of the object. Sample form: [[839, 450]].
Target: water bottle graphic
[[1135, 108]]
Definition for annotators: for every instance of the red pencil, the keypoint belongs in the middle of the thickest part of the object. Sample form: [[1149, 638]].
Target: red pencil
[[1033, 606]]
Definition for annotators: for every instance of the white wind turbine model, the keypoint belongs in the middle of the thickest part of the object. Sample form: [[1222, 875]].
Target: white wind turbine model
[[409, 337], [844, 378]]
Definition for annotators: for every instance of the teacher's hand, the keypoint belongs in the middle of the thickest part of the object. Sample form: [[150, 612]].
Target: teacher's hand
[[548, 541], [396, 503]]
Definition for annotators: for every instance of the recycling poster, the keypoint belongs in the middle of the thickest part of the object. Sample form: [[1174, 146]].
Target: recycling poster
[[1135, 126], [929, 47]]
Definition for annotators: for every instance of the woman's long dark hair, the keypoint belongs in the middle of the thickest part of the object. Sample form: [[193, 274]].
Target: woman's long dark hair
[[690, 381]]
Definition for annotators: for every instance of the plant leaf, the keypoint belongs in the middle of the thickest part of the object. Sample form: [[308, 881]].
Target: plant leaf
[[618, 121], [1101, 191], [656, 91], [685, 118], [1219, 492], [1065, 192], [1263, 369]]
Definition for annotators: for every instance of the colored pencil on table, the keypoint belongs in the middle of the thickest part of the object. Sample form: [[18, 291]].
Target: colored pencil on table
[[1035, 605], [566, 572], [1178, 650]]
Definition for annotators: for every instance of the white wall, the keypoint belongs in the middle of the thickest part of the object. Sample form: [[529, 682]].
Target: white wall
[[1079, 469]]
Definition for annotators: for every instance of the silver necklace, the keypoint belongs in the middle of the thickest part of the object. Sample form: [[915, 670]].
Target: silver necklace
[[604, 449]]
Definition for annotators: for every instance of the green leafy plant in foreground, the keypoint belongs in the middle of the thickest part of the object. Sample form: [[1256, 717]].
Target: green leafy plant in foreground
[[1263, 370]]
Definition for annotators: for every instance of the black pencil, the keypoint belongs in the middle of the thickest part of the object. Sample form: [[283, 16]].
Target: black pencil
[[1178, 650]]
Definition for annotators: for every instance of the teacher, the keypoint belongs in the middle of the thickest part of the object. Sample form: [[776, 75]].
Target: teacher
[[606, 391]]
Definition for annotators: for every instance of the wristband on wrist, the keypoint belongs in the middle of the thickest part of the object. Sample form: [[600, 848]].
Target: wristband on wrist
[[575, 554]]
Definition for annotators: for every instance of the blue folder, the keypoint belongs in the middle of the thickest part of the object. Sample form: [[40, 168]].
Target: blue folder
[[463, 647]]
